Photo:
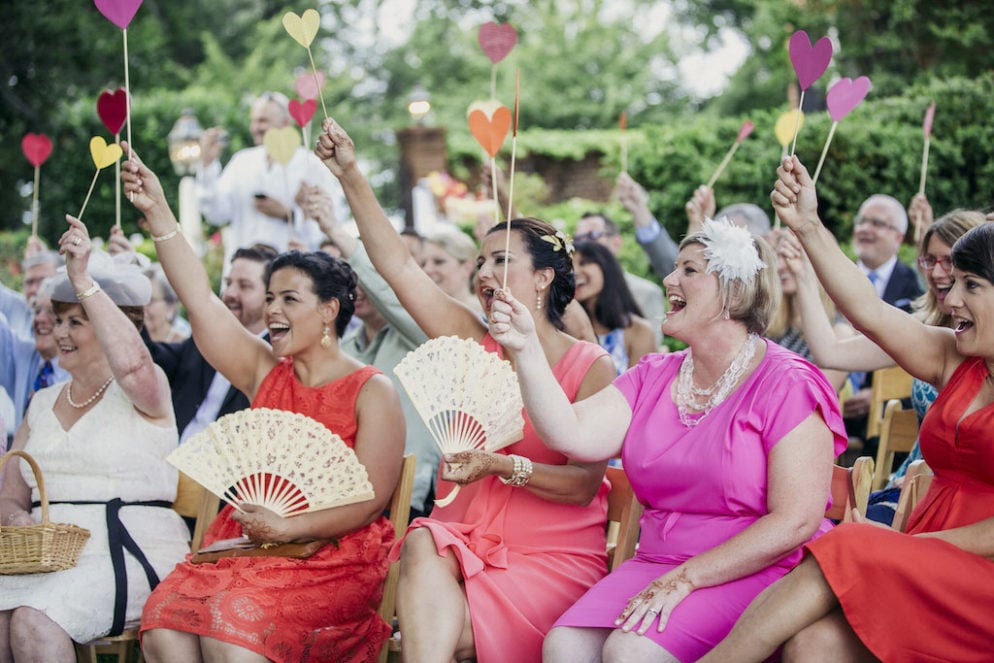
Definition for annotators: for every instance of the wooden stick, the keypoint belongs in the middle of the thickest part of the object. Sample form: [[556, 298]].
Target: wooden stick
[[514, 149], [797, 123], [34, 202], [317, 83], [824, 152], [87, 199], [127, 116], [723, 164], [921, 182], [117, 183], [623, 125], [493, 80]]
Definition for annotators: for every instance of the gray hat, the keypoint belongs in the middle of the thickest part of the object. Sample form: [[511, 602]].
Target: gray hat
[[123, 282]]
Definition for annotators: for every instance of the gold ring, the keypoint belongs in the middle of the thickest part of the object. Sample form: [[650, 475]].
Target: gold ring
[[75, 241]]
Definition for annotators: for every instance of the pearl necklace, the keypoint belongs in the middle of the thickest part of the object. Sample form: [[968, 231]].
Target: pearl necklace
[[687, 393], [95, 396]]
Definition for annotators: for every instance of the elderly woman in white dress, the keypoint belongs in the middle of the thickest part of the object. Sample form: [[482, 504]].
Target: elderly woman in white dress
[[100, 440]]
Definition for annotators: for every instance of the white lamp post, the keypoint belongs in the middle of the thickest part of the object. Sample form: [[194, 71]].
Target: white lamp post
[[184, 152]]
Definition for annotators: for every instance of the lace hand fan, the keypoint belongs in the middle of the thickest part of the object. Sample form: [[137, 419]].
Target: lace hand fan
[[468, 398], [284, 461]]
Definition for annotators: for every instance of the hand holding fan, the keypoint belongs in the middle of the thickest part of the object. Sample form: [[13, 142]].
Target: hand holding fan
[[468, 398], [284, 461], [36, 148]]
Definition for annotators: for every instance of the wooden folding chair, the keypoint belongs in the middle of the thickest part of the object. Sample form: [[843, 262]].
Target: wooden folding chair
[[400, 513], [888, 384], [623, 513], [898, 434], [850, 489], [916, 483]]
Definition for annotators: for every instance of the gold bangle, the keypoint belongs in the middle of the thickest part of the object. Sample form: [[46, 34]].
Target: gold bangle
[[168, 235], [89, 292]]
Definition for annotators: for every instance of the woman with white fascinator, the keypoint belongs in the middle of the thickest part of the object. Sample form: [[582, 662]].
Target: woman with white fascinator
[[100, 440], [728, 444]]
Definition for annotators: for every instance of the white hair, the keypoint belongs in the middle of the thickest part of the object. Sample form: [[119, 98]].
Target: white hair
[[896, 209]]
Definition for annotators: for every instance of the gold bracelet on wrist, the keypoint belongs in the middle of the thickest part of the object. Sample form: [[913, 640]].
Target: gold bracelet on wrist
[[89, 292], [168, 235]]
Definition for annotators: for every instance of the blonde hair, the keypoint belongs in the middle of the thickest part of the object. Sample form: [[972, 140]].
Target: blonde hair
[[456, 243]]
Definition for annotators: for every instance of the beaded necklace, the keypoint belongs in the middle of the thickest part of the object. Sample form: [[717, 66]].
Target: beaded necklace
[[96, 394], [687, 393]]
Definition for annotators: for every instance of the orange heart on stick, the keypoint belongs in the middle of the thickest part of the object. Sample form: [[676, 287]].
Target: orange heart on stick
[[490, 128]]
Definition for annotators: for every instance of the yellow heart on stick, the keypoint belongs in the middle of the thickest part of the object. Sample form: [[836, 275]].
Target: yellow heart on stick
[[104, 154], [303, 28], [281, 144]]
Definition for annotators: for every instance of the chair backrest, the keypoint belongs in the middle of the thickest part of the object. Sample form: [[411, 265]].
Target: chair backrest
[[195, 501], [889, 383], [400, 513], [898, 433], [850, 489], [916, 483], [623, 513]]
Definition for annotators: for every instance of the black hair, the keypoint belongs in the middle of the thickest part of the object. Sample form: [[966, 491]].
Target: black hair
[[332, 279], [549, 254], [974, 252], [615, 305], [262, 253]]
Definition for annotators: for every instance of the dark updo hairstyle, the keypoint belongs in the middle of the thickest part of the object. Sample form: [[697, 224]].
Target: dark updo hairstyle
[[331, 278], [615, 304], [546, 253], [974, 252]]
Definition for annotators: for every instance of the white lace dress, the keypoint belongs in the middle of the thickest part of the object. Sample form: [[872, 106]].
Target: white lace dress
[[110, 452]]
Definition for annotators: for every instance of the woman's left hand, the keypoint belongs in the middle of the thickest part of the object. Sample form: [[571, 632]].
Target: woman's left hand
[[75, 246], [657, 600], [465, 467], [260, 524]]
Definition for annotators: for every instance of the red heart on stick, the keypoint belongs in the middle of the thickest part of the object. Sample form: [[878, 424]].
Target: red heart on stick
[[845, 95], [497, 40], [810, 62], [118, 12], [37, 148], [112, 107], [490, 132], [302, 112]]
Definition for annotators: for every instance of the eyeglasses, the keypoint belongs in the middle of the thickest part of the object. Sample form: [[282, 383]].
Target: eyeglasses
[[878, 224], [927, 262], [592, 236]]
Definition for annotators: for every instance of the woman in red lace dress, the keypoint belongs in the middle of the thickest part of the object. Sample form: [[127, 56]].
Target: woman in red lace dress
[[275, 608]]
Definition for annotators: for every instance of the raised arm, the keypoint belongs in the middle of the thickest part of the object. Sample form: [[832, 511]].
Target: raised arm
[[928, 353], [130, 362], [650, 235], [434, 311], [238, 354]]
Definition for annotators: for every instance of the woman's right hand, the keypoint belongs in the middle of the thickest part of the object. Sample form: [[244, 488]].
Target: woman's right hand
[[793, 196], [143, 189], [335, 149], [511, 323]]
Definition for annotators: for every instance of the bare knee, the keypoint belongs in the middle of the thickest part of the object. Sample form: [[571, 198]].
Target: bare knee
[[565, 644], [828, 639], [34, 636], [161, 645]]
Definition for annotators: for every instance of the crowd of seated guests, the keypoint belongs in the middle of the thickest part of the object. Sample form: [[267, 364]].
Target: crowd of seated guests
[[515, 566]]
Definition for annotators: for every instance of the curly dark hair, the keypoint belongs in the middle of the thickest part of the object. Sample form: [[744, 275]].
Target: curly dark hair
[[615, 304], [332, 279], [546, 254]]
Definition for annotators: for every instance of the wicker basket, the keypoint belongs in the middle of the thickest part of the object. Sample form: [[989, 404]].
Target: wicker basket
[[40, 548]]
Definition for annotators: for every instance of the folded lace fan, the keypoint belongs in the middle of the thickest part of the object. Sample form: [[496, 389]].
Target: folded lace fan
[[468, 398], [284, 461]]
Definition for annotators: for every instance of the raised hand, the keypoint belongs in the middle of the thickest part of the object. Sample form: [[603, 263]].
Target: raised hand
[[920, 214], [141, 185], [793, 196], [75, 245], [700, 206], [335, 148], [511, 323]]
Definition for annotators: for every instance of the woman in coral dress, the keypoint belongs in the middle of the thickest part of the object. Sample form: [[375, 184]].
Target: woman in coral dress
[[867, 592], [486, 576], [322, 608]]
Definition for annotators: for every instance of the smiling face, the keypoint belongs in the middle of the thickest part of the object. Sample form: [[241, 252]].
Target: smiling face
[[589, 278], [523, 281], [971, 303], [77, 343], [44, 327], [876, 237], [694, 295], [33, 277], [451, 275], [245, 293], [940, 276], [295, 316], [265, 115]]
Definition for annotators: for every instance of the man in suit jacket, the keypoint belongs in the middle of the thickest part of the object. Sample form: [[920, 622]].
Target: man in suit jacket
[[201, 394]]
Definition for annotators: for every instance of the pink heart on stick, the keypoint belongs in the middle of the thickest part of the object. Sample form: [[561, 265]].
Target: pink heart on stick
[[302, 112], [307, 87], [810, 62], [747, 128], [118, 12], [112, 107], [845, 95], [929, 118], [497, 40], [37, 148]]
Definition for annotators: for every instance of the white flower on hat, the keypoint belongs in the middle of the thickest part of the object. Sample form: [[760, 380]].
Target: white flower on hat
[[730, 250]]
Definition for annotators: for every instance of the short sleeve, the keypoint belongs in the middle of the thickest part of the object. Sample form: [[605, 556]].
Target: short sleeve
[[636, 380]]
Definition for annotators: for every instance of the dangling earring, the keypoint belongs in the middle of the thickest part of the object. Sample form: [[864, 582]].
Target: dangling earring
[[538, 299], [326, 338]]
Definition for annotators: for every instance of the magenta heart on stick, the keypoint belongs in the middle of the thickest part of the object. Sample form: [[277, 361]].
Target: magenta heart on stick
[[118, 12], [845, 95], [810, 62], [497, 40], [112, 107]]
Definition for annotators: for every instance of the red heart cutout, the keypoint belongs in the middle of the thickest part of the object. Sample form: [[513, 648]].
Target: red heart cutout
[[810, 62], [302, 112], [112, 107], [497, 40], [36, 148], [118, 12], [845, 95], [307, 87], [490, 132]]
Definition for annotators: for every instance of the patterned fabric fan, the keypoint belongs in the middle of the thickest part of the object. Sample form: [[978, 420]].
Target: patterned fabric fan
[[468, 398], [284, 461]]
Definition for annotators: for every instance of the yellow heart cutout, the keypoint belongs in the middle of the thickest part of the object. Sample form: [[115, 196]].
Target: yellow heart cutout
[[490, 132], [785, 125], [281, 144], [104, 154], [303, 28]]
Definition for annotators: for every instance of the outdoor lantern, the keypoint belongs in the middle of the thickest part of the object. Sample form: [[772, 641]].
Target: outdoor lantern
[[184, 143], [419, 104]]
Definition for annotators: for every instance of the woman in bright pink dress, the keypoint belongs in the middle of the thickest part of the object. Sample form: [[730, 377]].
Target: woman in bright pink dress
[[323, 608], [486, 576], [866, 592], [734, 478]]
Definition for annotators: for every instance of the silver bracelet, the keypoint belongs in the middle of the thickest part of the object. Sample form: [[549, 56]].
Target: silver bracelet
[[521, 471]]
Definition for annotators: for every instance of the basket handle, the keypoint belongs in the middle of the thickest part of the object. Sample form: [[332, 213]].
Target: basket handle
[[42, 496]]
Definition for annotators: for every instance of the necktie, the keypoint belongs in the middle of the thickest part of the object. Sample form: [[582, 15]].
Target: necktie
[[874, 277], [45, 378]]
